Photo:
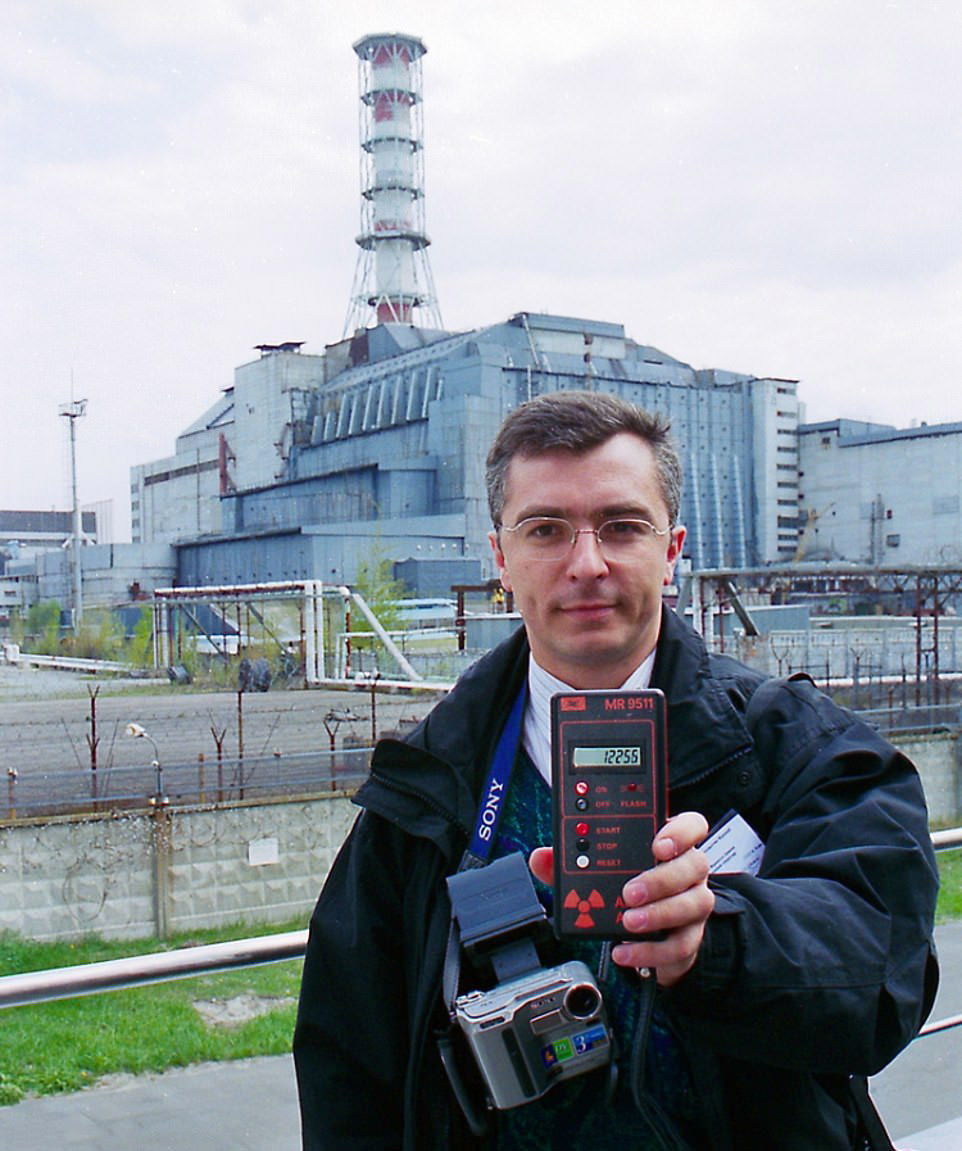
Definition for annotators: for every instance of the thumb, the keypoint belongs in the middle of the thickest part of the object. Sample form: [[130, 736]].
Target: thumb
[[541, 862]]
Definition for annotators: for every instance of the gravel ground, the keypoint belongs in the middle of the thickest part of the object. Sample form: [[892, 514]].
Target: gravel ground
[[41, 682], [57, 728]]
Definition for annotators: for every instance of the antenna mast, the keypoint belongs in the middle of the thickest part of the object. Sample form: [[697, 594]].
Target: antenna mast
[[74, 411]]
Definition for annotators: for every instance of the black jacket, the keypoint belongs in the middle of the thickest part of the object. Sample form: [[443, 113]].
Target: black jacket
[[820, 967]]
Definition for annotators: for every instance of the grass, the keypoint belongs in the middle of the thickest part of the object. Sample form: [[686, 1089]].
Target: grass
[[68, 1044], [950, 895]]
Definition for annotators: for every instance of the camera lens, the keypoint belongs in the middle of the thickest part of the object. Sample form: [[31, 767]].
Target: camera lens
[[582, 1001]]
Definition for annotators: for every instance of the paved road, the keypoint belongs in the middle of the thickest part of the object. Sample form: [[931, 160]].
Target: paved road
[[252, 1105], [249, 1105]]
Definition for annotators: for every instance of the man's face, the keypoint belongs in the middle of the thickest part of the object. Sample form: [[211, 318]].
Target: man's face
[[590, 621]]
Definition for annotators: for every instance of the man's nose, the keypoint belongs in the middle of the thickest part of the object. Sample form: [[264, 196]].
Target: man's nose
[[587, 557]]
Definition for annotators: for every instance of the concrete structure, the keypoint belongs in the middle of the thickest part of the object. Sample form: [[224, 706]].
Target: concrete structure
[[24, 533], [190, 483], [311, 466], [32, 542], [126, 875], [111, 573], [17, 593], [871, 493]]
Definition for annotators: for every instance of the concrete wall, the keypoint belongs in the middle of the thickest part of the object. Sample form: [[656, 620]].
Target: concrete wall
[[176, 497], [127, 876], [938, 759], [136, 875]]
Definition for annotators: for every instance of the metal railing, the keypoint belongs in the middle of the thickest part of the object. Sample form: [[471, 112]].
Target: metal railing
[[946, 839], [157, 967]]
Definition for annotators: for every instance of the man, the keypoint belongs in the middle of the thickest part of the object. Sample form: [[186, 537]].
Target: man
[[770, 990]]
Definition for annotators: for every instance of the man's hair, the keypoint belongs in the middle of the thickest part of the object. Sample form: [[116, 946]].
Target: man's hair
[[576, 422]]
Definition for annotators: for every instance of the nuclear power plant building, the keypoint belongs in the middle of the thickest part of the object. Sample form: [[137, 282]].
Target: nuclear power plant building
[[312, 465]]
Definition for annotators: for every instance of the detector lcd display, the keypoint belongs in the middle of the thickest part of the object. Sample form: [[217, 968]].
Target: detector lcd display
[[606, 756]]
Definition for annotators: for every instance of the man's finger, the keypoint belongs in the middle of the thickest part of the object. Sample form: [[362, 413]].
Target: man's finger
[[541, 862]]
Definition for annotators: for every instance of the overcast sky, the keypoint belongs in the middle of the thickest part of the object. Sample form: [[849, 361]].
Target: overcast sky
[[766, 187]]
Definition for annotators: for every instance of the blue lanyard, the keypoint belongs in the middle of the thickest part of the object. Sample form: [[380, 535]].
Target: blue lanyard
[[496, 787]]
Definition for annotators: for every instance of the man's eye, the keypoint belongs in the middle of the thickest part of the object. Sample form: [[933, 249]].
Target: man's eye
[[544, 530], [625, 529]]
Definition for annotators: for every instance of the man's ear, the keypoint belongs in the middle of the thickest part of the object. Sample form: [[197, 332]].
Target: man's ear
[[500, 561], [674, 552]]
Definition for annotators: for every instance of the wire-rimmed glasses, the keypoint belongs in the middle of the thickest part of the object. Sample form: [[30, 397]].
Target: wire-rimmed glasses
[[552, 538]]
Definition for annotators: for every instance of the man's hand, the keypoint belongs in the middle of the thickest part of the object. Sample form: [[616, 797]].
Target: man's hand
[[672, 897]]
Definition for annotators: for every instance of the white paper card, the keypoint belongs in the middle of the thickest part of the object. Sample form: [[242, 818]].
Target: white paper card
[[733, 846], [262, 851]]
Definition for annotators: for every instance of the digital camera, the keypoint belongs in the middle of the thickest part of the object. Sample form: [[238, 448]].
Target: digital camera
[[536, 1025], [534, 1031]]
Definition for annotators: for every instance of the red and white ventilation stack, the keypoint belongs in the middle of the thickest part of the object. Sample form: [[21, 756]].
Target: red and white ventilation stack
[[393, 276]]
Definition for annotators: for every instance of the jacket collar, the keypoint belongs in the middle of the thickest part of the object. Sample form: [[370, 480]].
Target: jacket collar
[[705, 727], [432, 779]]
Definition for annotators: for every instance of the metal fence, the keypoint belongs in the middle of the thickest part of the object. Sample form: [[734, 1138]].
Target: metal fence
[[896, 720], [294, 748], [223, 780], [96, 732], [79, 754]]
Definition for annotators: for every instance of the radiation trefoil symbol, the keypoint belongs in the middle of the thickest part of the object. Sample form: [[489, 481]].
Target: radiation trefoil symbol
[[584, 907]]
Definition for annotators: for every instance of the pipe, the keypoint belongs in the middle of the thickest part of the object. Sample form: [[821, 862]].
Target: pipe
[[138, 970], [382, 635]]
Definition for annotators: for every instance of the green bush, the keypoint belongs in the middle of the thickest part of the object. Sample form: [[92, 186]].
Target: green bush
[[99, 635], [43, 628], [381, 592], [140, 647]]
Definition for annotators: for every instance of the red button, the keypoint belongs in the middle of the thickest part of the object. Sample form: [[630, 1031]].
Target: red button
[[581, 787], [581, 828]]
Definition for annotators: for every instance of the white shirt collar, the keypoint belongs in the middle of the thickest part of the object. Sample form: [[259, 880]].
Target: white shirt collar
[[542, 685]]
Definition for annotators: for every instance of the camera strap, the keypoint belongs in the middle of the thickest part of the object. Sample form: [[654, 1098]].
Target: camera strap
[[476, 855], [486, 826], [495, 787]]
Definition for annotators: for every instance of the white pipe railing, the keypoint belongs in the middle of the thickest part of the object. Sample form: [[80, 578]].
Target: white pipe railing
[[157, 967]]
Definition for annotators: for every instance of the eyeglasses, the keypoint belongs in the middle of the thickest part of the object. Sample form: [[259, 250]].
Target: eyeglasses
[[551, 538]]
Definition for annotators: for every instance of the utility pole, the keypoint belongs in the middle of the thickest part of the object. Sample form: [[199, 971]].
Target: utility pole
[[74, 411]]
